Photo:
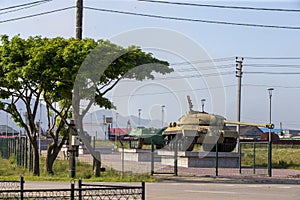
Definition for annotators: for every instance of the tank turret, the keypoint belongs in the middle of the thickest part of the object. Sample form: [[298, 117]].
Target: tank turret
[[206, 129]]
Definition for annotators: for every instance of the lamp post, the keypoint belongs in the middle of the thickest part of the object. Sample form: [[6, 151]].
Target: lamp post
[[270, 90], [162, 115], [202, 102], [139, 116]]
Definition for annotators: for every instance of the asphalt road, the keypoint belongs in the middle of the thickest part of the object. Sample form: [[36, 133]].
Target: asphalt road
[[203, 191]]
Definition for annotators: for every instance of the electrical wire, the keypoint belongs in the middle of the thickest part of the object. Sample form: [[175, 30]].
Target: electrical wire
[[221, 6], [194, 20], [272, 58], [204, 68], [204, 61], [275, 86], [271, 66], [35, 15], [273, 73], [175, 91], [23, 8], [26, 4]]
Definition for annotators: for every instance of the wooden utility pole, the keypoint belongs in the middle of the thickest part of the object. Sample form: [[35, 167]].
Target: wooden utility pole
[[73, 135], [79, 18]]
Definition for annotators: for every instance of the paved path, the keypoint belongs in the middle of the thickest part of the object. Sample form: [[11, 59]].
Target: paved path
[[113, 160], [202, 190]]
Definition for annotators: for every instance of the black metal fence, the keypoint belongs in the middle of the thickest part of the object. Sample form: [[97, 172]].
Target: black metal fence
[[15, 190]]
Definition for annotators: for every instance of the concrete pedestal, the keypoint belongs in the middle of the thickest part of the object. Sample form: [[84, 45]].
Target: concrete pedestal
[[200, 159], [139, 155]]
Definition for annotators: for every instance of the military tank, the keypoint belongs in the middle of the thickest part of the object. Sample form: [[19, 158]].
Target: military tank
[[198, 127], [140, 136]]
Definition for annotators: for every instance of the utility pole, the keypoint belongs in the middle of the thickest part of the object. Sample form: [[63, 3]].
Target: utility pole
[[73, 146], [79, 17], [239, 73]]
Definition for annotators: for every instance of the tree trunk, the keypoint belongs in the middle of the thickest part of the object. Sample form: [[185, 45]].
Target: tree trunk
[[36, 161], [52, 153]]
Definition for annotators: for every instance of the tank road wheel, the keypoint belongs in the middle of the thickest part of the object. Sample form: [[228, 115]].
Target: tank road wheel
[[228, 145]]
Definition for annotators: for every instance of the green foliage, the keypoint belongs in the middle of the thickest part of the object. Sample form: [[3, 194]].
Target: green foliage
[[38, 67]]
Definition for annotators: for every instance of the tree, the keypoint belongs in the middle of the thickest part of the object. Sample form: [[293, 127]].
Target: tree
[[101, 71], [41, 68]]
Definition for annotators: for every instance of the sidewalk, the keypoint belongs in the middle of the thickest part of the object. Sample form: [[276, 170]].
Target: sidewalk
[[230, 175]]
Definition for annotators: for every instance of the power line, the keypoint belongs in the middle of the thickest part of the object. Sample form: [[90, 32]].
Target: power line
[[273, 58], [26, 7], [204, 61], [194, 20], [35, 15], [275, 86], [274, 73], [187, 76], [220, 6], [205, 68], [26, 4], [272, 66], [175, 91]]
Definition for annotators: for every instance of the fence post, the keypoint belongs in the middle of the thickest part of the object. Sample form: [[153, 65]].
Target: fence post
[[143, 191], [79, 187], [22, 187], [72, 191], [176, 158], [152, 158], [254, 164], [217, 159]]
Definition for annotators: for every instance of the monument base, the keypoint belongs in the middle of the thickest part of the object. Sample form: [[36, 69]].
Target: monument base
[[200, 159], [139, 155]]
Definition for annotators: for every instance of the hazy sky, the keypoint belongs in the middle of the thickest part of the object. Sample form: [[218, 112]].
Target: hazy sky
[[194, 42]]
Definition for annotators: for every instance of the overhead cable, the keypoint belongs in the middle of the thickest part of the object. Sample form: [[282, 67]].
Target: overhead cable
[[272, 58], [274, 73], [35, 15], [194, 20], [24, 7], [175, 91], [204, 61], [222, 6], [25, 4]]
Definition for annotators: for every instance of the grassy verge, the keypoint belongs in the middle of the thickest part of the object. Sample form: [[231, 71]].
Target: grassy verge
[[10, 171], [283, 156]]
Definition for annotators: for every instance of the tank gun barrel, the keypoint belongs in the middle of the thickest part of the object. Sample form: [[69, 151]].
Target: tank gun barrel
[[269, 126]]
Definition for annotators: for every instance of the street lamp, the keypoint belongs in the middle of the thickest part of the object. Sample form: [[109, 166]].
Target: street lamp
[[202, 101], [270, 90], [139, 116], [162, 115]]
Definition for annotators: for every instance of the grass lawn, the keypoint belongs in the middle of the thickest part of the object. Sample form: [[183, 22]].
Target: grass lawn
[[10, 171]]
